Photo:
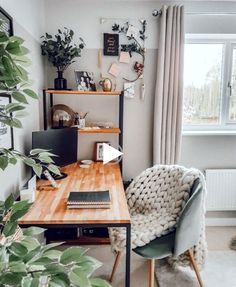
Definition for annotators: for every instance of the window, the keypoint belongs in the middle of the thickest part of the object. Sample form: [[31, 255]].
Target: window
[[210, 84], [232, 87]]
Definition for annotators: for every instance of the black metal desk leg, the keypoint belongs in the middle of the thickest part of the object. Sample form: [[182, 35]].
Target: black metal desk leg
[[128, 251], [45, 118]]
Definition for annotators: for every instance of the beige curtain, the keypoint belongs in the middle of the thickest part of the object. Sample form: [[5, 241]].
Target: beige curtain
[[169, 87]]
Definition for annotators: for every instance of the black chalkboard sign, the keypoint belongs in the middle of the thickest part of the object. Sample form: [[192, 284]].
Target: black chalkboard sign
[[7, 25], [111, 44]]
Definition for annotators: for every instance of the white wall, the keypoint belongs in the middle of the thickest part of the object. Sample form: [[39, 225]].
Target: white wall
[[27, 15]]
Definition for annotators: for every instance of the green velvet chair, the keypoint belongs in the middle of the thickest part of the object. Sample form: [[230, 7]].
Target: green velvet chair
[[182, 239]]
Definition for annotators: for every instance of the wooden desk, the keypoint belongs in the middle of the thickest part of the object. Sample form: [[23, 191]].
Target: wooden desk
[[49, 209]]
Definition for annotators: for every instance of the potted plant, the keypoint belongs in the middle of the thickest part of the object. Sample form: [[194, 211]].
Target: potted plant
[[24, 262], [61, 52]]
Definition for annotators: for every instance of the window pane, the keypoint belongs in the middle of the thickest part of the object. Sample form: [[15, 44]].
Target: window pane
[[202, 83], [232, 103]]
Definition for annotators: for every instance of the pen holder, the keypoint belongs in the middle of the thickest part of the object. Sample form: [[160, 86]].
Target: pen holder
[[82, 123]]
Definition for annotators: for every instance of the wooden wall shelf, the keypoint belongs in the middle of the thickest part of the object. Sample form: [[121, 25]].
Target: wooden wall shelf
[[84, 93], [100, 131]]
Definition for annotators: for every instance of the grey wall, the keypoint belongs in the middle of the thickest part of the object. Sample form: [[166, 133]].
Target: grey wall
[[84, 18], [28, 21]]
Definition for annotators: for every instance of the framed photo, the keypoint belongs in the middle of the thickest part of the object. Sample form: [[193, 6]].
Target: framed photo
[[7, 20], [6, 132], [98, 150], [110, 44], [85, 81]]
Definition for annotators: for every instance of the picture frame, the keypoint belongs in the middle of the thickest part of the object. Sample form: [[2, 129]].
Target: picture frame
[[110, 44], [8, 22], [6, 132], [98, 150], [85, 81]]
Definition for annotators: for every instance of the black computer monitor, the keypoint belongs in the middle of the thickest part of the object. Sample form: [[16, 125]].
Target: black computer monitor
[[61, 142]]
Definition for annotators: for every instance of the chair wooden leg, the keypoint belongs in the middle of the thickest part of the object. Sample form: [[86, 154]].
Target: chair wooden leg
[[151, 272], [195, 267], [117, 259]]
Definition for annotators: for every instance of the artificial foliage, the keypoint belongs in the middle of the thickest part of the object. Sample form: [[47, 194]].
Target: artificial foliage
[[24, 262], [60, 49], [136, 44], [15, 82]]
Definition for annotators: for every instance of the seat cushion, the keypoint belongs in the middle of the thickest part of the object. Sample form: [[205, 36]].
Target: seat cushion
[[158, 248], [144, 228]]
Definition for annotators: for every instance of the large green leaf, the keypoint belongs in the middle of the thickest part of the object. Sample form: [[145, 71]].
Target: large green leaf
[[31, 231], [78, 278], [9, 228], [9, 201], [17, 267], [54, 269], [35, 282], [3, 37], [37, 168], [12, 279], [12, 122], [31, 243], [59, 280], [14, 48], [54, 169], [14, 107], [37, 151], [19, 97], [17, 39], [53, 254], [7, 64], [3, 162], [30, 93], [51, 245], [18, 249], [32, 254], [41, 261], [72, 254], [26, 281], [29, 161], [97, 282]]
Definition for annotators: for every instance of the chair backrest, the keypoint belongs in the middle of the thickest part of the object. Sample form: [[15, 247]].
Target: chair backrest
[[189, 225]]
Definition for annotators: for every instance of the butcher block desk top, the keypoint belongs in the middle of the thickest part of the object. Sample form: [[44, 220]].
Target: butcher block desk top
[[50, 205]]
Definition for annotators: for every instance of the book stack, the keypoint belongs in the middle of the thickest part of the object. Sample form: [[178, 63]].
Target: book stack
[[89, 199]]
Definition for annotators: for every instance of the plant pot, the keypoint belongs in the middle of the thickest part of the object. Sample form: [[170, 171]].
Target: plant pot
[[60, 83]]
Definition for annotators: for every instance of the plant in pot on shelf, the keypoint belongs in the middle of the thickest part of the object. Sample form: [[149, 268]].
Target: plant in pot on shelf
[[61, 52], [24, 262]]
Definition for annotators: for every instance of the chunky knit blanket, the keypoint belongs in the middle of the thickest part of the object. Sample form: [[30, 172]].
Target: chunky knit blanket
[[156, 198]]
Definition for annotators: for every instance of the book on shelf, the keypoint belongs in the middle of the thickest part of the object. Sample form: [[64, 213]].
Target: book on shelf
[[89, 199]]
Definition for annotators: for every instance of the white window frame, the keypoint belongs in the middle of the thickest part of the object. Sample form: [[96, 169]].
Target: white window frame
[[229, 42]]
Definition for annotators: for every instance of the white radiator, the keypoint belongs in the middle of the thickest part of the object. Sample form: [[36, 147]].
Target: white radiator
[[221, 189]]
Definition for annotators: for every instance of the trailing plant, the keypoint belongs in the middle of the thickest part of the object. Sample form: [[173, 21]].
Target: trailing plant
[[60, 49], [15, 82], [134, 46], [27, 263]]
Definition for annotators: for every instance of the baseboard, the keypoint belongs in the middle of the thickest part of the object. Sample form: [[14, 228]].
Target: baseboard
[[210, 221]]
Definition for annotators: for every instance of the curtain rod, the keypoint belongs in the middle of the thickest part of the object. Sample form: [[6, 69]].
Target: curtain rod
[[156, 13]]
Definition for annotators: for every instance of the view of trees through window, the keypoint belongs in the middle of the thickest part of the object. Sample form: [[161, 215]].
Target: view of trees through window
[[203, 83]]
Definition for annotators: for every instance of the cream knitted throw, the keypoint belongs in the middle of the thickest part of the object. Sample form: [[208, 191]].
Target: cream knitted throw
[[156, 198]]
